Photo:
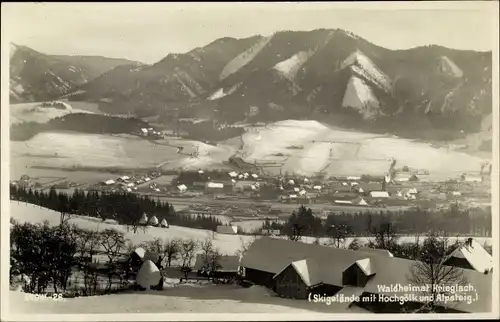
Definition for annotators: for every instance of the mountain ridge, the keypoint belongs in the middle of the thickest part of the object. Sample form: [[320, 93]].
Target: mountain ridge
[[37, 76], [324, 73]]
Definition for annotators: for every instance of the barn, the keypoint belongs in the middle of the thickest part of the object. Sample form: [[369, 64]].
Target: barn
[[231, 230], [295, 270], [227, 266], [471, 255]]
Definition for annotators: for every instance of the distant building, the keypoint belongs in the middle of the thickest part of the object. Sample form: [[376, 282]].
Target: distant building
[[230, 230], [214, 186], [379, 194], [343, 202], [271, 232], [472, 178], [226, 266], [109, 182], [182, 188]]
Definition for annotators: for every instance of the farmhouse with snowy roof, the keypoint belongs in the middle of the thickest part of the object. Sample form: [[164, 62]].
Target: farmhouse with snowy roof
[[295, 270], [471, 255]]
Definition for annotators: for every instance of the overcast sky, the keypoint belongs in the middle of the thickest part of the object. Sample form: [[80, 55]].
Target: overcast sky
[[147, 32]]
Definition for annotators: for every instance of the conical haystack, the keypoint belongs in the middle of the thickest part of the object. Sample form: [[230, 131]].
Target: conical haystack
[[148, 275], [144, 219], [163, 223], [153, 221]]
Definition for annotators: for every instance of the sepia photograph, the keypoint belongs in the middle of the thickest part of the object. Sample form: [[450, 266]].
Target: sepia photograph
[[221, 161]]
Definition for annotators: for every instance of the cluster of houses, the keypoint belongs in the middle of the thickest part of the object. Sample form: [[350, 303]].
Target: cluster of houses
[[294, 270], [151, 133], [130, 184], [365, 278], [236, 182]]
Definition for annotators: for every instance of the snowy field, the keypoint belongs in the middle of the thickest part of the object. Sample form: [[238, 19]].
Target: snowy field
[[338, 152], [227, 244], [68, 149], [31, 112], [179, 299]]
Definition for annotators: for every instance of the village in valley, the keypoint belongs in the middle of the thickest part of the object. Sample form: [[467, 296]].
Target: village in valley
[[290, 235], [297, 173]]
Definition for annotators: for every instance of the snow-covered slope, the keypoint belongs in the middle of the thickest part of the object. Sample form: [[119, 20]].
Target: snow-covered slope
[[449, 67], [25, 212], [358, 95], [363, 66], [218, 94], [292, 65], [244, 58]]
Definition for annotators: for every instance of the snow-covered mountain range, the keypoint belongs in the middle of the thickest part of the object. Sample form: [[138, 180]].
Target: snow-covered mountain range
[[323, 74]]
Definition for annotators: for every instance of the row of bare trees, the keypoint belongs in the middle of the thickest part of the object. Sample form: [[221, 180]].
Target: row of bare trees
[[49, 256]]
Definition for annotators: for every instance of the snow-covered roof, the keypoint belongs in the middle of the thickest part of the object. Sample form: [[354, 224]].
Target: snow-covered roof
[[344, 183], [347, 202], [306, 180], [124, 177], [182, 187], [317, 187], [379, 194], [232, 174], [201, 171], [147, 179], [302, 192], [144, 130], [291, 182], [360, 201], [214, 185], [233, 230], [163, 223], [296, 189], [476, 255], [254, 176], [365, 266], [108, 182], [293, 196], [353, 178], [131, 184]]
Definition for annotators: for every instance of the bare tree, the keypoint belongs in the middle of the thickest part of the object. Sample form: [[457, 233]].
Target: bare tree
[[114, 243], [244, 246], [385, 237], [431, 272], [338, 235], [156, 246], [211, 256], [355, 244], [172, 249], [188, 250], [88, 244]]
